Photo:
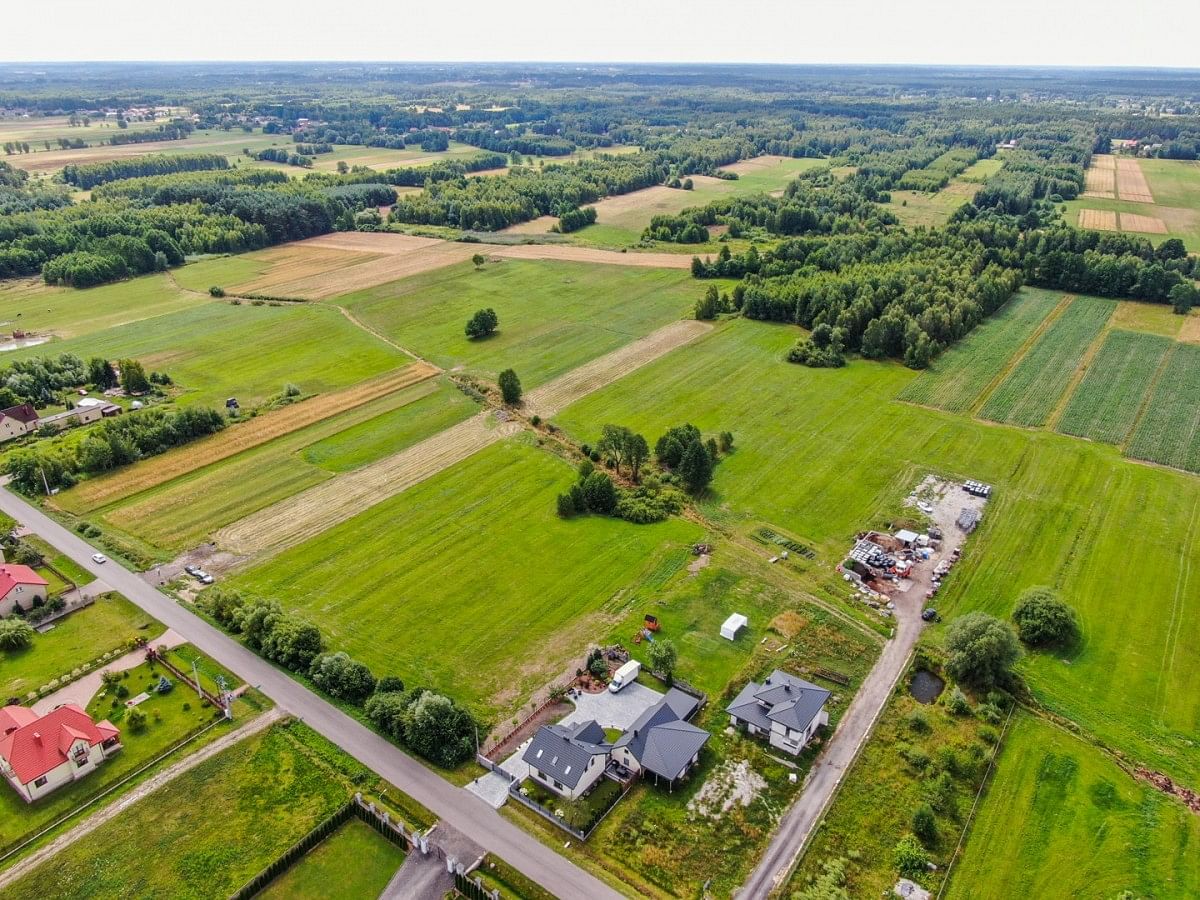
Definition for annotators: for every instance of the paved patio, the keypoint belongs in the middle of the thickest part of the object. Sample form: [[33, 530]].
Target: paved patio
[[611, 710]]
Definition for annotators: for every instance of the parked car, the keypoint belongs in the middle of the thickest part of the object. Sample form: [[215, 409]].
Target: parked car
[[192, 570], [99, 558], [203, 577], [930, 615], [624, 675]]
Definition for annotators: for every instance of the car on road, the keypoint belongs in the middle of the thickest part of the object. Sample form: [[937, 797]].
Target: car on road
[[99, 558]]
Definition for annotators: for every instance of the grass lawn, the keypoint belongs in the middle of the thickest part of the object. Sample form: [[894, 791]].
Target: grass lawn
[[451, 583], [256, 798], [218, 350], [35, 306], [182, 512], [79, 638], [1060, 819], [918, 754], [659, 842], [554, 316], [932, 210], [821, 454], [60, 561], [167, 724], [354, 861]]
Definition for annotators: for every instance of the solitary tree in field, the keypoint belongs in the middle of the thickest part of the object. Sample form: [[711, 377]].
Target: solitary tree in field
[[1043, 619], [479, 259], [982, 650], [510, 387], [482, 324]]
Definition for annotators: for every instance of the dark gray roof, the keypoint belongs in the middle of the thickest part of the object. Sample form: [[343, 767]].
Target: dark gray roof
[[660, 740], [563, 751], [789, 700]]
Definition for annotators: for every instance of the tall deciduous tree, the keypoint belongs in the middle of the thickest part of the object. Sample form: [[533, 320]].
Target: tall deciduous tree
[[510, 387]]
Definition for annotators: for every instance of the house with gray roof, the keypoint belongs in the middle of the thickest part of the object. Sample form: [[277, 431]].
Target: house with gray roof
[[568, 759], [661, 742], [787, 709]]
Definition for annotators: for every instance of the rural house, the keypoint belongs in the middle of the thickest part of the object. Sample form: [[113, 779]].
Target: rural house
[[661, 741], [787, 708], [17, 421], [20, 587], [568, 759], [89, 409], [39, 754]]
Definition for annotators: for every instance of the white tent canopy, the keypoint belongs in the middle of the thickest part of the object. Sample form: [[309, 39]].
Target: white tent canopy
[[733, 625]]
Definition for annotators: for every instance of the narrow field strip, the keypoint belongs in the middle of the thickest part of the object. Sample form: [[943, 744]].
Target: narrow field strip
[[1143, 224], [591, 255], [1105, 405], [1169, 430], [305, 515], [1032, 390], [1101, 178], [1098, 219], [957, 378], [102, 491], [1131, 182]]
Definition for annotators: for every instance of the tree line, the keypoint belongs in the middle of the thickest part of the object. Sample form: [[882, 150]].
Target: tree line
[[89, 175]]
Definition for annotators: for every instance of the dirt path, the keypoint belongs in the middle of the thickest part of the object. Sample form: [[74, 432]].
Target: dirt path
[[67, 838], [307, 514], [355, 320]]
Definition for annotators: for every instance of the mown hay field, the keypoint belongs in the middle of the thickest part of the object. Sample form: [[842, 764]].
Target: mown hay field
[[1055, 798], [185, 511], [1107, 401], [217, 350], [1063, 511], [554, 316], [1032, 390], [444, 585], [1099, 219], [1169, 431], [235, 439], [959, 376]]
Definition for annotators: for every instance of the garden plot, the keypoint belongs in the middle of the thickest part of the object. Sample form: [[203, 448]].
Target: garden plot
[[1032, 390], [1106, 403], [1131, 182]]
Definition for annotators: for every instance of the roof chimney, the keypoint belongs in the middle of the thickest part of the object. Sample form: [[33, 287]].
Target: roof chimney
[[37, 736]]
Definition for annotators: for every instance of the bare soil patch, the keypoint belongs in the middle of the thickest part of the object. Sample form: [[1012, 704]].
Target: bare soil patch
[[592, 255], [729, 784], [757, 164], [1098, 219], [244, 436], [642, 205], [540, 225], [1146, 224], [1131, 182], [53, 160]]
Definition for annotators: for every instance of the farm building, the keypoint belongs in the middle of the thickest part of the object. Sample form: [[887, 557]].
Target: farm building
[[17, 421], [786, 708], [88, 410], [20, 587], [39, 754]]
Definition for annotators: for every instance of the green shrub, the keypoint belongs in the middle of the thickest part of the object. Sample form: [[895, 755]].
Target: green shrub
[[957, 703], [919, 722], [924, 825], [910, 857]]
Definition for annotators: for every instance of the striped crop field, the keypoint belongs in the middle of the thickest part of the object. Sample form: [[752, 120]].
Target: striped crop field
[[962, 373], [1032, 390], [1169, 432], [1105, 405]]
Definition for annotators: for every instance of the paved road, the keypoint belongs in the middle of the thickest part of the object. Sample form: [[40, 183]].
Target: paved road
[[839, 754], [454, 805]]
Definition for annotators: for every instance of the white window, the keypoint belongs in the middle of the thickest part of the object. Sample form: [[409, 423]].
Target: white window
[[567, 771]]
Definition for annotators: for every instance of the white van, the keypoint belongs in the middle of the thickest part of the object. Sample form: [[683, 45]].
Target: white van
[[624, 675]]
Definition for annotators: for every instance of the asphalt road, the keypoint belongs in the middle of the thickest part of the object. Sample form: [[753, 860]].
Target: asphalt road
[[456, 806], [835, 761]]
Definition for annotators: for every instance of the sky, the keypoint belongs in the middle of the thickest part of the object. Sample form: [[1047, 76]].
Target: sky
[[966, 32]]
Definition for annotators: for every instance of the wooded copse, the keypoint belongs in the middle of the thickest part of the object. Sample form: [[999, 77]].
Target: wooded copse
[[90, 175]]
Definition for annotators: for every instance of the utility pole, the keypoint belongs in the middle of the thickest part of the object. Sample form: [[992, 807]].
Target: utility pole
[[196, 675], [45, 483]]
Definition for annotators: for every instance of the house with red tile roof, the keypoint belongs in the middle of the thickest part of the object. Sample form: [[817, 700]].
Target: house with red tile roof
[[20, 587], [17, 420], [39, 754]]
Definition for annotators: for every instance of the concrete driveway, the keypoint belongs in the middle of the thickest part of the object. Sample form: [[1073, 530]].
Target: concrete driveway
[[611, 710]]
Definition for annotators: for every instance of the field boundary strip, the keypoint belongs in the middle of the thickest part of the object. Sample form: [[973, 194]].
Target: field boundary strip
[[305, 515], [1019, 354], [96, 493]]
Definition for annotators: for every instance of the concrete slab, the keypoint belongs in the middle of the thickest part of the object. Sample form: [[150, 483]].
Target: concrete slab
[[491, 788]]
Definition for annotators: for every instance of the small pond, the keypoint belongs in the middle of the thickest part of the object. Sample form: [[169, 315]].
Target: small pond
[[926, 686]]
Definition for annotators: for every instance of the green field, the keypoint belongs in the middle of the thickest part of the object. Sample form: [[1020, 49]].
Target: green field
[[182, 512], [1061, 820], [73, 641], [1106, 403], [36, 307], [1169, 430], [445, 584], [960, 375], [1064, 511], [258, 798], [1030, 393], [554, 316], [355, 861], [219, 350]]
